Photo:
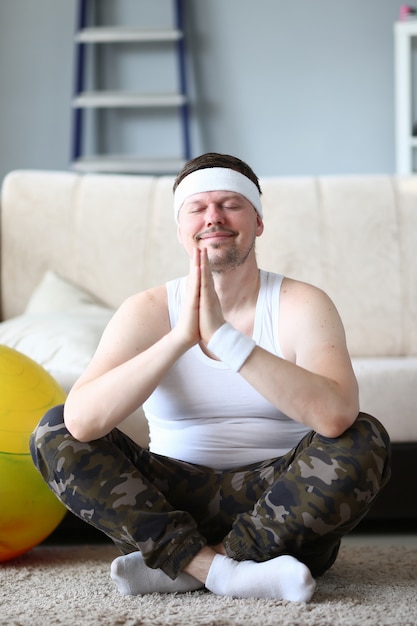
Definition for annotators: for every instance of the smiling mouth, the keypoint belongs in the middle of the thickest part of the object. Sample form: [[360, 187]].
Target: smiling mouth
[[215, 234]]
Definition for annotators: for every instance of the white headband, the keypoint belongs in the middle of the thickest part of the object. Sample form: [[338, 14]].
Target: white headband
[[216, 179]]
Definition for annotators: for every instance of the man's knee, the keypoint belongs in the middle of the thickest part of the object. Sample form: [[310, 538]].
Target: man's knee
[[45, 432], [379, 443], [53, 419], [365, 435], [362, 454], [366, 445], [371, 426], [368, 435]]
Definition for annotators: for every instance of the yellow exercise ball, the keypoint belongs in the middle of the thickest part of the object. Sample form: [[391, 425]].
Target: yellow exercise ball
[[29, 511]]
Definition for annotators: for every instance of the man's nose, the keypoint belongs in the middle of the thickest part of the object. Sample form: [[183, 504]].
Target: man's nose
[[214, 214]]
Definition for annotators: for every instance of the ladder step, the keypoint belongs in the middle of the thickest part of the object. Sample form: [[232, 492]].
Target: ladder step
[[117, 164], [155, 42], [110, 34], [127, 99]]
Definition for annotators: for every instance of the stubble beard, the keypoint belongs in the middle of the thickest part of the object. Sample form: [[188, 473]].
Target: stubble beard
[[231, 258]]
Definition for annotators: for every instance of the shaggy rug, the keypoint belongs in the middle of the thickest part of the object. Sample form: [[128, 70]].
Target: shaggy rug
[[70, 586]]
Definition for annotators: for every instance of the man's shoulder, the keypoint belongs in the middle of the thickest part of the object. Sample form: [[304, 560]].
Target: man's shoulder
[[300, 286], [143, 315], [292, 286], [296, 292], [153, 298]]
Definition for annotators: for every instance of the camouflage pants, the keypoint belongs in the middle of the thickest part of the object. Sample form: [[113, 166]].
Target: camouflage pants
[[300, 504]]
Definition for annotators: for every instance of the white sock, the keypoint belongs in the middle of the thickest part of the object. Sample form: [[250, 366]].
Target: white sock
[[282, 578], [133, 577]]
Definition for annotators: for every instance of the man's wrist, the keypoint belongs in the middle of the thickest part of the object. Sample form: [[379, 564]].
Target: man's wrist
[[231, 346]]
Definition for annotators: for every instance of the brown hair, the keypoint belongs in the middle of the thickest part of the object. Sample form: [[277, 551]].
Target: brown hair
[[213, 159]]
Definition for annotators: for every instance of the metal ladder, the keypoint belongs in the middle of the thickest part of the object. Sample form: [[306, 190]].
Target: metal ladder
[[87, 104]]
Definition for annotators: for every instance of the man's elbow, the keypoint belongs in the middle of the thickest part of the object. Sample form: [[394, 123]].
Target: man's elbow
[[76, 428], [335, 425]]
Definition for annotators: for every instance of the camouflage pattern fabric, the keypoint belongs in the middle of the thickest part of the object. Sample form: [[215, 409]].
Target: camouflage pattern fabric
[[300, 504]]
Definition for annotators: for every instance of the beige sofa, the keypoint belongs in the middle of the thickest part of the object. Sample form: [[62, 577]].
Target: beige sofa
[[74, 246]]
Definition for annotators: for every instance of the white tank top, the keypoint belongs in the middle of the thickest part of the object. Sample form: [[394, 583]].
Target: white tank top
[[204, 413]]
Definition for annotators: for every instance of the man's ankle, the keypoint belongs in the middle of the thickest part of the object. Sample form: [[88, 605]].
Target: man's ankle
[[219, 549], [199, 565]]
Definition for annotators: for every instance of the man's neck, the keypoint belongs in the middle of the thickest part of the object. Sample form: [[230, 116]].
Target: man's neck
[[238, 289]]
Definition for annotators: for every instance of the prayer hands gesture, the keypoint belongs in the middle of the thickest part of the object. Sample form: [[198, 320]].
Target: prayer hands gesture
[[202, 313]]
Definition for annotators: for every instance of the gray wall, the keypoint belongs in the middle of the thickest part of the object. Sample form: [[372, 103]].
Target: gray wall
[[36, 82], [293, 87]]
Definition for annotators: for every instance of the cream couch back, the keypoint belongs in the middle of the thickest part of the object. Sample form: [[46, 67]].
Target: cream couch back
[[355, 237]]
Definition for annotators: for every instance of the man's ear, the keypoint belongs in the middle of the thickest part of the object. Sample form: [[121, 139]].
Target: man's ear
[[259, 225], [179, 237]]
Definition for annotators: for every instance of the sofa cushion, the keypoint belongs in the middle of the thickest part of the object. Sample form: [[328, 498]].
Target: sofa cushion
[[384, 391], [60, 328], [55, 294]]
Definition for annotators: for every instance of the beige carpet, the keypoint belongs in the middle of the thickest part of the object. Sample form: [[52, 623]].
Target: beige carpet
[[67, 586]]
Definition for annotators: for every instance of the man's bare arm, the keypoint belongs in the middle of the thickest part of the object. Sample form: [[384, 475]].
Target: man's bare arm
[[315, 383]]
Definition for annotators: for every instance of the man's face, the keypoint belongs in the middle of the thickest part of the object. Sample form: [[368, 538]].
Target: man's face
[[224, 222]]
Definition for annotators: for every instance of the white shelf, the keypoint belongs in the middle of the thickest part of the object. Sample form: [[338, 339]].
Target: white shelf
[[408, 27], [96, 99], [117, 164], [120, 34], [405, 116]]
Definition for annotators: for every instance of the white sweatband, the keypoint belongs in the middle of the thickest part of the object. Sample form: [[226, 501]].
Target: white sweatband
[[216, 179], [231, 346]]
